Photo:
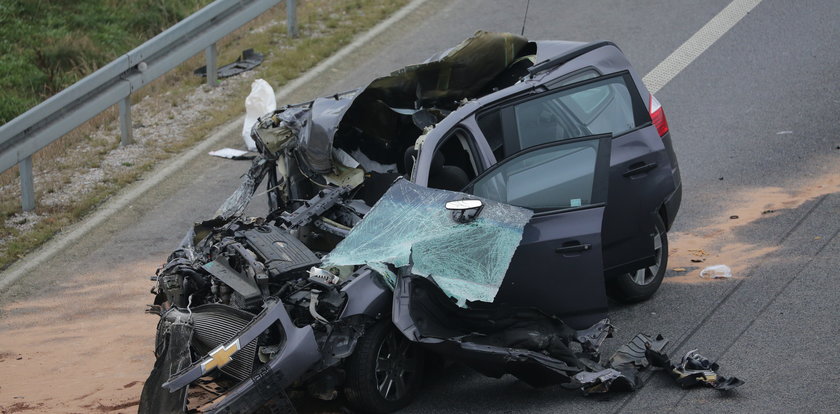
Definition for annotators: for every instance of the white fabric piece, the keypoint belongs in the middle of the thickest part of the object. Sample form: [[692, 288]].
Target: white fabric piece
[[228, 153], [258, 103]]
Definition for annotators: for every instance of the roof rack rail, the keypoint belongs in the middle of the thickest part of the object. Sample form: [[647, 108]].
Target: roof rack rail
[[561, 59]]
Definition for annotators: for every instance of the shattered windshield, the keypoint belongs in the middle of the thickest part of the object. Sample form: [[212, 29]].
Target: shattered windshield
[[409, 225]]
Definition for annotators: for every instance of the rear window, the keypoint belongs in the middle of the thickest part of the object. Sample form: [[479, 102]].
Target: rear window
[[604, 105]]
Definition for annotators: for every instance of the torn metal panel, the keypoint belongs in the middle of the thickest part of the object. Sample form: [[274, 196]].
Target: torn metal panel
[[275, 132], [458, 73], [317, 145], [409, 226], [236, 203], [173, 355]]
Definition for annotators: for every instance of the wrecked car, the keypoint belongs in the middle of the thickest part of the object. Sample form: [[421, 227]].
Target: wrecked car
[[480, 205]]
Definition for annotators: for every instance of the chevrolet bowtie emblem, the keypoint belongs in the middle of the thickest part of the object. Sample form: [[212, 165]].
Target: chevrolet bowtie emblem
[[219, 357]]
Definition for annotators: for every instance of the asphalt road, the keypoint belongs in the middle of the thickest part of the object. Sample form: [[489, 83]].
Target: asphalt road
[[754, 124]]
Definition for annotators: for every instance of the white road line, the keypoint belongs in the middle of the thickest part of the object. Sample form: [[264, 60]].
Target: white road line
[[666, 70], [170, 167]]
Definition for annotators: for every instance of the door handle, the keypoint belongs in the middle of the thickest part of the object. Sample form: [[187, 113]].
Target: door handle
[[637, 169], [573, 248]]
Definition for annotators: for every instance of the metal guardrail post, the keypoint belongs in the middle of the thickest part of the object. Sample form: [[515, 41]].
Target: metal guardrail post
[[27, 184], [291, 18], [126, 136], [210, 54]]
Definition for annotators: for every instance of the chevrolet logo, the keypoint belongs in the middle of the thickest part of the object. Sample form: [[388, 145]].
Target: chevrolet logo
[[219, 357]]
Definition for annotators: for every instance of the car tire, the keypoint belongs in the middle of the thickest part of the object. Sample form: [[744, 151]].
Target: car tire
[[642, 284], [384, 372]]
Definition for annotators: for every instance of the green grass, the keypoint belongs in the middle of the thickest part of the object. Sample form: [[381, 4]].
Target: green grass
[[47, 45]]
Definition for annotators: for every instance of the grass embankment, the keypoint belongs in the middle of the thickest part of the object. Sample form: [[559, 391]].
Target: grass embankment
[[47, 45], [324, 25]]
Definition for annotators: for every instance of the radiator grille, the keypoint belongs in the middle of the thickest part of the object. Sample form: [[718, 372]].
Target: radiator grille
[[218, 324]]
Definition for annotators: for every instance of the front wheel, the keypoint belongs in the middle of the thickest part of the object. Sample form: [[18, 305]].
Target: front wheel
[[643, 283], [384, 372]]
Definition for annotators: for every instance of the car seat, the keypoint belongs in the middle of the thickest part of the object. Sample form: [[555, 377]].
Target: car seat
[[441, 176]]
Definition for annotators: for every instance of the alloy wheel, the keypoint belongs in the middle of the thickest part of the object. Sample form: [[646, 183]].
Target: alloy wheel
[[394, 366]]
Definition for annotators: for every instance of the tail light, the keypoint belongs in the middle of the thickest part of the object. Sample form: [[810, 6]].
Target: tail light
[[657, 116]]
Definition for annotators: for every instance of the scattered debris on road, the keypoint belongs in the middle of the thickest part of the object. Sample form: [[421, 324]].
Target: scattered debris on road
[[716, 272]]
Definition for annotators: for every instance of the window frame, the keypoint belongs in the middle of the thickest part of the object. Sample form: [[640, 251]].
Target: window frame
[[600, 179], [473, 151], [507, 116]]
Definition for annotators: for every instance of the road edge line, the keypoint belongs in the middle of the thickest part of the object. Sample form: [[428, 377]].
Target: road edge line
[[701, 40]]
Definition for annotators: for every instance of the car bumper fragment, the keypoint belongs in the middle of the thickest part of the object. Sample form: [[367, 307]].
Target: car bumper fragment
[[299, 352]]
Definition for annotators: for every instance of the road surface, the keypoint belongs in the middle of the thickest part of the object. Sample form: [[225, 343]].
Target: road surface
[[754, 124]]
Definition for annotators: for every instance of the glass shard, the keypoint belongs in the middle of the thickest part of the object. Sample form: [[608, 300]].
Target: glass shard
[[410, 226]]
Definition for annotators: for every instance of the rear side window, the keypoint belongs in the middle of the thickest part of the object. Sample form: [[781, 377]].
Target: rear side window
[[605, 105]]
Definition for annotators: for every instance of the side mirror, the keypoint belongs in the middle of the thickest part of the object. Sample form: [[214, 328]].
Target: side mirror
[[464, 211]]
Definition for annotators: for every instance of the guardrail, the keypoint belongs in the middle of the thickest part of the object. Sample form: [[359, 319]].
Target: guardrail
[[113, 84]]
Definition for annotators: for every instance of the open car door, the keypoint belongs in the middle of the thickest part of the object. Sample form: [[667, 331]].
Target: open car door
[[555, 276], [558, 266]]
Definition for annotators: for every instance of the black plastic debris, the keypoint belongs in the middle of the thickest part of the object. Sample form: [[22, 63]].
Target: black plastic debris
[[621, 372], [245, 62], [172, 351], [633, 355], [695, 369]]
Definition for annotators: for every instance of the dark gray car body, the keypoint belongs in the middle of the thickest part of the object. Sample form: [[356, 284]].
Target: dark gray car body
[[558, 271], [572, 285]]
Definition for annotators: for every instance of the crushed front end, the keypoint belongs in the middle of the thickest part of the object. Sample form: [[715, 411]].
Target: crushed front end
[[246, 313]]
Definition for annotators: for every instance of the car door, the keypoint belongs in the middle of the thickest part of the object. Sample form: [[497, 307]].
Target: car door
[[640, 171], [558, 265]]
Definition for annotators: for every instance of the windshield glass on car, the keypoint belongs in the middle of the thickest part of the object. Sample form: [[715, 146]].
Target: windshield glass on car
[[411, 226]]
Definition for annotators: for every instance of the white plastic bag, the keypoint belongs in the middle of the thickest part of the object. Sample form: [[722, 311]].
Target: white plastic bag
[[258, 103], [716, 272]]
